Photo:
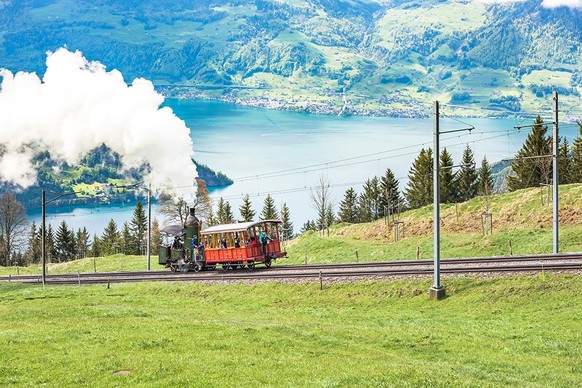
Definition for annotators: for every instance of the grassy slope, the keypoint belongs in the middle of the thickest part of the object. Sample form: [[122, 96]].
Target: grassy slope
[[518, 217], [521, 331]]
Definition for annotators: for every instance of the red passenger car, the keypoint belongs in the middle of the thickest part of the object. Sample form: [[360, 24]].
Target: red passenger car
[[245, 243]]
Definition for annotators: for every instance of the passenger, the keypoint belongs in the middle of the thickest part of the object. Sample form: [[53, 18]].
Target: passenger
[[177, 244], [263, 239], [251, 240], [236, 242], [223, 243]]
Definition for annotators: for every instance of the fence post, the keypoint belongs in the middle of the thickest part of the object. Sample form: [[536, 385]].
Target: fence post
[[94, 264], [305, 257], [510, 248], [417, 253], [320, 281], [357, 257]]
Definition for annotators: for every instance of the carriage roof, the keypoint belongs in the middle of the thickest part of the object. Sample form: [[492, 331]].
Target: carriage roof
[[238, 227]]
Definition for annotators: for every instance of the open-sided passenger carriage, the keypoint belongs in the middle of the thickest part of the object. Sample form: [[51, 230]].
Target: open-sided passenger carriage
[[238, 245], [229, 245]]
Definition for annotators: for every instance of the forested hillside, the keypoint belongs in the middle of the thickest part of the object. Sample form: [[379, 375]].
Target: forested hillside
[[360, 56]]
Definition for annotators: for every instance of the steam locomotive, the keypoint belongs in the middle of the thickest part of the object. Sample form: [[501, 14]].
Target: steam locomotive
[[188, 248]]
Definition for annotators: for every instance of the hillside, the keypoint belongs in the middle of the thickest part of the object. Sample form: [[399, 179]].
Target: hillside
[[519, 223], [93, 179], [358, 57]]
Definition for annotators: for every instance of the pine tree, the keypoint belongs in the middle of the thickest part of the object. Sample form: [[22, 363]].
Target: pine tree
[[528, 171], [64, 243], [448, 189], [348, 207], [96, 246], [576, 161], [269, 211], [110, 239], [419, 188], [390, 194], [564, 163], [127, 240], [467, 176], [287, 224], [33, 253], [211, 219], [224, 212], [49, 241], [83, 242], [138, 228], [309, 225], [369, 201], [246, 211], [484, 178]]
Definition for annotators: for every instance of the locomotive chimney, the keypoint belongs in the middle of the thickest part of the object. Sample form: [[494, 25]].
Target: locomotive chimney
[[192, 220]]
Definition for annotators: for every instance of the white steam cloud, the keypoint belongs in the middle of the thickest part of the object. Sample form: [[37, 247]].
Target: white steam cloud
[[78, 106], [545, 3]]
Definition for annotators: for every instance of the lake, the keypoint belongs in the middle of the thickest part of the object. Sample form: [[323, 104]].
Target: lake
[[285, 153]]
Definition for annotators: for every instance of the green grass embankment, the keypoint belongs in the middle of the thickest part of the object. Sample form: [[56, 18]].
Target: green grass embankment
[[510, 331]]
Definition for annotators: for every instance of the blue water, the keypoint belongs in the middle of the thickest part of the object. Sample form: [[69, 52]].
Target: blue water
[[285, 153]]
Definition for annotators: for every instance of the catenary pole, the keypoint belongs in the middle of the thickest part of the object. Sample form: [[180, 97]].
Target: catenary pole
[[42, 238], [437, 291], [149, 223], [555, 150]]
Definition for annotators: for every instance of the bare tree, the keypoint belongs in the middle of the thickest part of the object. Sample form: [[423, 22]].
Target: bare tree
[[13, 226], [321, 200], [177, 209]]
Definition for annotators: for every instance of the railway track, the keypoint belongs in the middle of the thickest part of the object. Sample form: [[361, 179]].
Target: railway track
[[508, 264]]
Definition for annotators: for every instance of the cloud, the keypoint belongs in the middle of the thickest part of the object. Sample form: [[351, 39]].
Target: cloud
[[544, 3], [562, 3], [76, 107]]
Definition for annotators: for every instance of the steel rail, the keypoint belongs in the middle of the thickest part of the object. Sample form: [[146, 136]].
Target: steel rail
[[326, 266], [269, 275]]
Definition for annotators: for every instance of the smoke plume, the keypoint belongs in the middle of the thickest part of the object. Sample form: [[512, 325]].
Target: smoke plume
[[78, 106]]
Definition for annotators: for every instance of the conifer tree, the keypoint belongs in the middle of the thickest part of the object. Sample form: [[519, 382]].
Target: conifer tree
[[110, 239], [419, 187], [528, 171], [246, 210], [138, 228], [33, 253], [448, 189], [564, 163], [224, 212], [576, 161], [126, 240], [348, 207], [309, 225], [49, 240], [467, 176], [369, 201], [484, 178], [83, 242], [63, 243], [211, 219], [390, 194], [287, 224], [96, 246], [269, 211]]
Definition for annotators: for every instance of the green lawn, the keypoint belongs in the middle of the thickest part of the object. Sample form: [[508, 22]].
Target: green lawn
[[513, 331]]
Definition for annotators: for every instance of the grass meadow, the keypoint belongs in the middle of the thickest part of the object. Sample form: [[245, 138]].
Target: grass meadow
[[510, 331]]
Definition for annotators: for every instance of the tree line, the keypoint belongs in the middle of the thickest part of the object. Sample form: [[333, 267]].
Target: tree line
[[381, 196]]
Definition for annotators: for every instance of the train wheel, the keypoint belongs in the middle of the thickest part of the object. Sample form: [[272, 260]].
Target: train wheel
[[268, 262], [197, 267], [172, 268], [251, 265]]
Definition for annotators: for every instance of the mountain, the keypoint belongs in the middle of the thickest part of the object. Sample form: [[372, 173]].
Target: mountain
[[385, 57]]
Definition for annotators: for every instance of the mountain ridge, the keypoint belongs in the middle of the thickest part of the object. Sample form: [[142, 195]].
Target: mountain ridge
[[375, 57]]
